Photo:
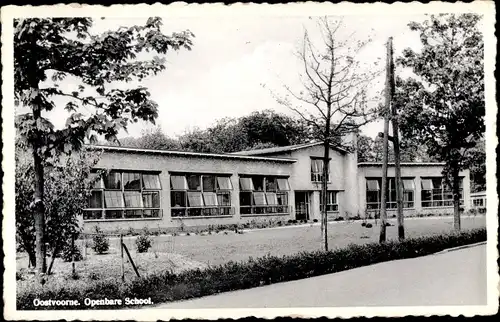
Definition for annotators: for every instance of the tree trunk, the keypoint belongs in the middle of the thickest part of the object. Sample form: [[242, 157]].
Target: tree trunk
[[385, 148], [324, 186], [456, 200], [38, 200], [397, 152], [32, 258]]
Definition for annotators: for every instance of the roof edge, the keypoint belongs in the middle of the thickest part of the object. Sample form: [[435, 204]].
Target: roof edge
[[288, 148], [192, 154], [403, 164]]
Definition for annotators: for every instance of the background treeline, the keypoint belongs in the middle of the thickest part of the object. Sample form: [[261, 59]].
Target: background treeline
[[255, 131]]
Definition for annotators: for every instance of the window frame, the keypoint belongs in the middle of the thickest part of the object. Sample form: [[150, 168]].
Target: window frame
[[270, 192], [391, 200], [120, 211], [441, 191], [332, 204], [219, 191], [316, 176]]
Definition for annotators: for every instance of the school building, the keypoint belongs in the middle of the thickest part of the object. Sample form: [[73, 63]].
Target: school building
[[163, 189]]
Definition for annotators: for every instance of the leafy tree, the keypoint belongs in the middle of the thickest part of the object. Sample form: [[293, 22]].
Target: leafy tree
[[443, 106], [370, 150], [334, 100], [67, 187], [227, 135], [49, 50], [269, 127], [150, 139], [365, 149], [476, 163], [196, 140]]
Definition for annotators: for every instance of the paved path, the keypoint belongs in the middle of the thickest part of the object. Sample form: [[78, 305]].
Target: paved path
[[452, 278]]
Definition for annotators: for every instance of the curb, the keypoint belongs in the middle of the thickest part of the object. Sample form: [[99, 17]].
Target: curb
[[460, 247]]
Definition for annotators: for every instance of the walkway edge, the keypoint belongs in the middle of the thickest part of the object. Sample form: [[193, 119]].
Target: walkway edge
[[460, 247]]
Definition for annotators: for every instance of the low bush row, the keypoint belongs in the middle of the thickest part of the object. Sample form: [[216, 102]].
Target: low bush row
[[165, 287]]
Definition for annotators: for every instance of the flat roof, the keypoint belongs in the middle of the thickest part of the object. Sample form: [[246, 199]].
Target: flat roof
[[479, 193], [405, 164], [189, 154], [287, 148]]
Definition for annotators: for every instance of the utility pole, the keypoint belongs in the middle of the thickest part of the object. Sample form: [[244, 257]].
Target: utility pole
[[395, 142], [387, 107]]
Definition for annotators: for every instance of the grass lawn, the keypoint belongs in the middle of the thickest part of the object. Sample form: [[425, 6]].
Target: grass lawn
[[197, 251], [219, 248]]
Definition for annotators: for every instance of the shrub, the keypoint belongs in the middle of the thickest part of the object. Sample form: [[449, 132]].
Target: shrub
[[368, 225], [69, 253], [167, 286], [130, 231], [143, 243], [339, 218], [363, 224], [94, 276], [315, 220], [100, 242]]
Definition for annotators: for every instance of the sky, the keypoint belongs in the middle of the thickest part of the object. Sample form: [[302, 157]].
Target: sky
[[231, 59]]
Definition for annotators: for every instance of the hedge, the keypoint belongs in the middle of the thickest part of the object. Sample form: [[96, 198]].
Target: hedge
[[166, 286]]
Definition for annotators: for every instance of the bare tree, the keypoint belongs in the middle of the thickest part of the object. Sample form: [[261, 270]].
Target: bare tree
[[334, 99]]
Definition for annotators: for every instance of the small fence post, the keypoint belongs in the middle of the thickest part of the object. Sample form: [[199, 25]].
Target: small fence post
[[131, 261], [73, 253], [121, 255], [85, 246]]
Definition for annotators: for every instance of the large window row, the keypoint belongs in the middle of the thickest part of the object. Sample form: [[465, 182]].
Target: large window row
[[194, 195], [123, 194], [263, 195], [436, 193], [374, 193]]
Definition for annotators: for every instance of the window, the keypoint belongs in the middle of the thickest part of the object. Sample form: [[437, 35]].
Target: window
[[123, 195], [408, 193], [112, 180], [196, 195], [317, 170], [436, 193], [374, 194], [263, 195], [283, 184], [178, 183], [331, 202], [478, 202], [151, 182], [210, 198], [97, 180], [246, 184], [132, 181]]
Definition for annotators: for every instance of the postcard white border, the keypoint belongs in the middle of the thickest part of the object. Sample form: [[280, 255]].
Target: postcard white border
[[487, 8]]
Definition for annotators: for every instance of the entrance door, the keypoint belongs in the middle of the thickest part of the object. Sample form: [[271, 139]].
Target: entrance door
[[301, 205]]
